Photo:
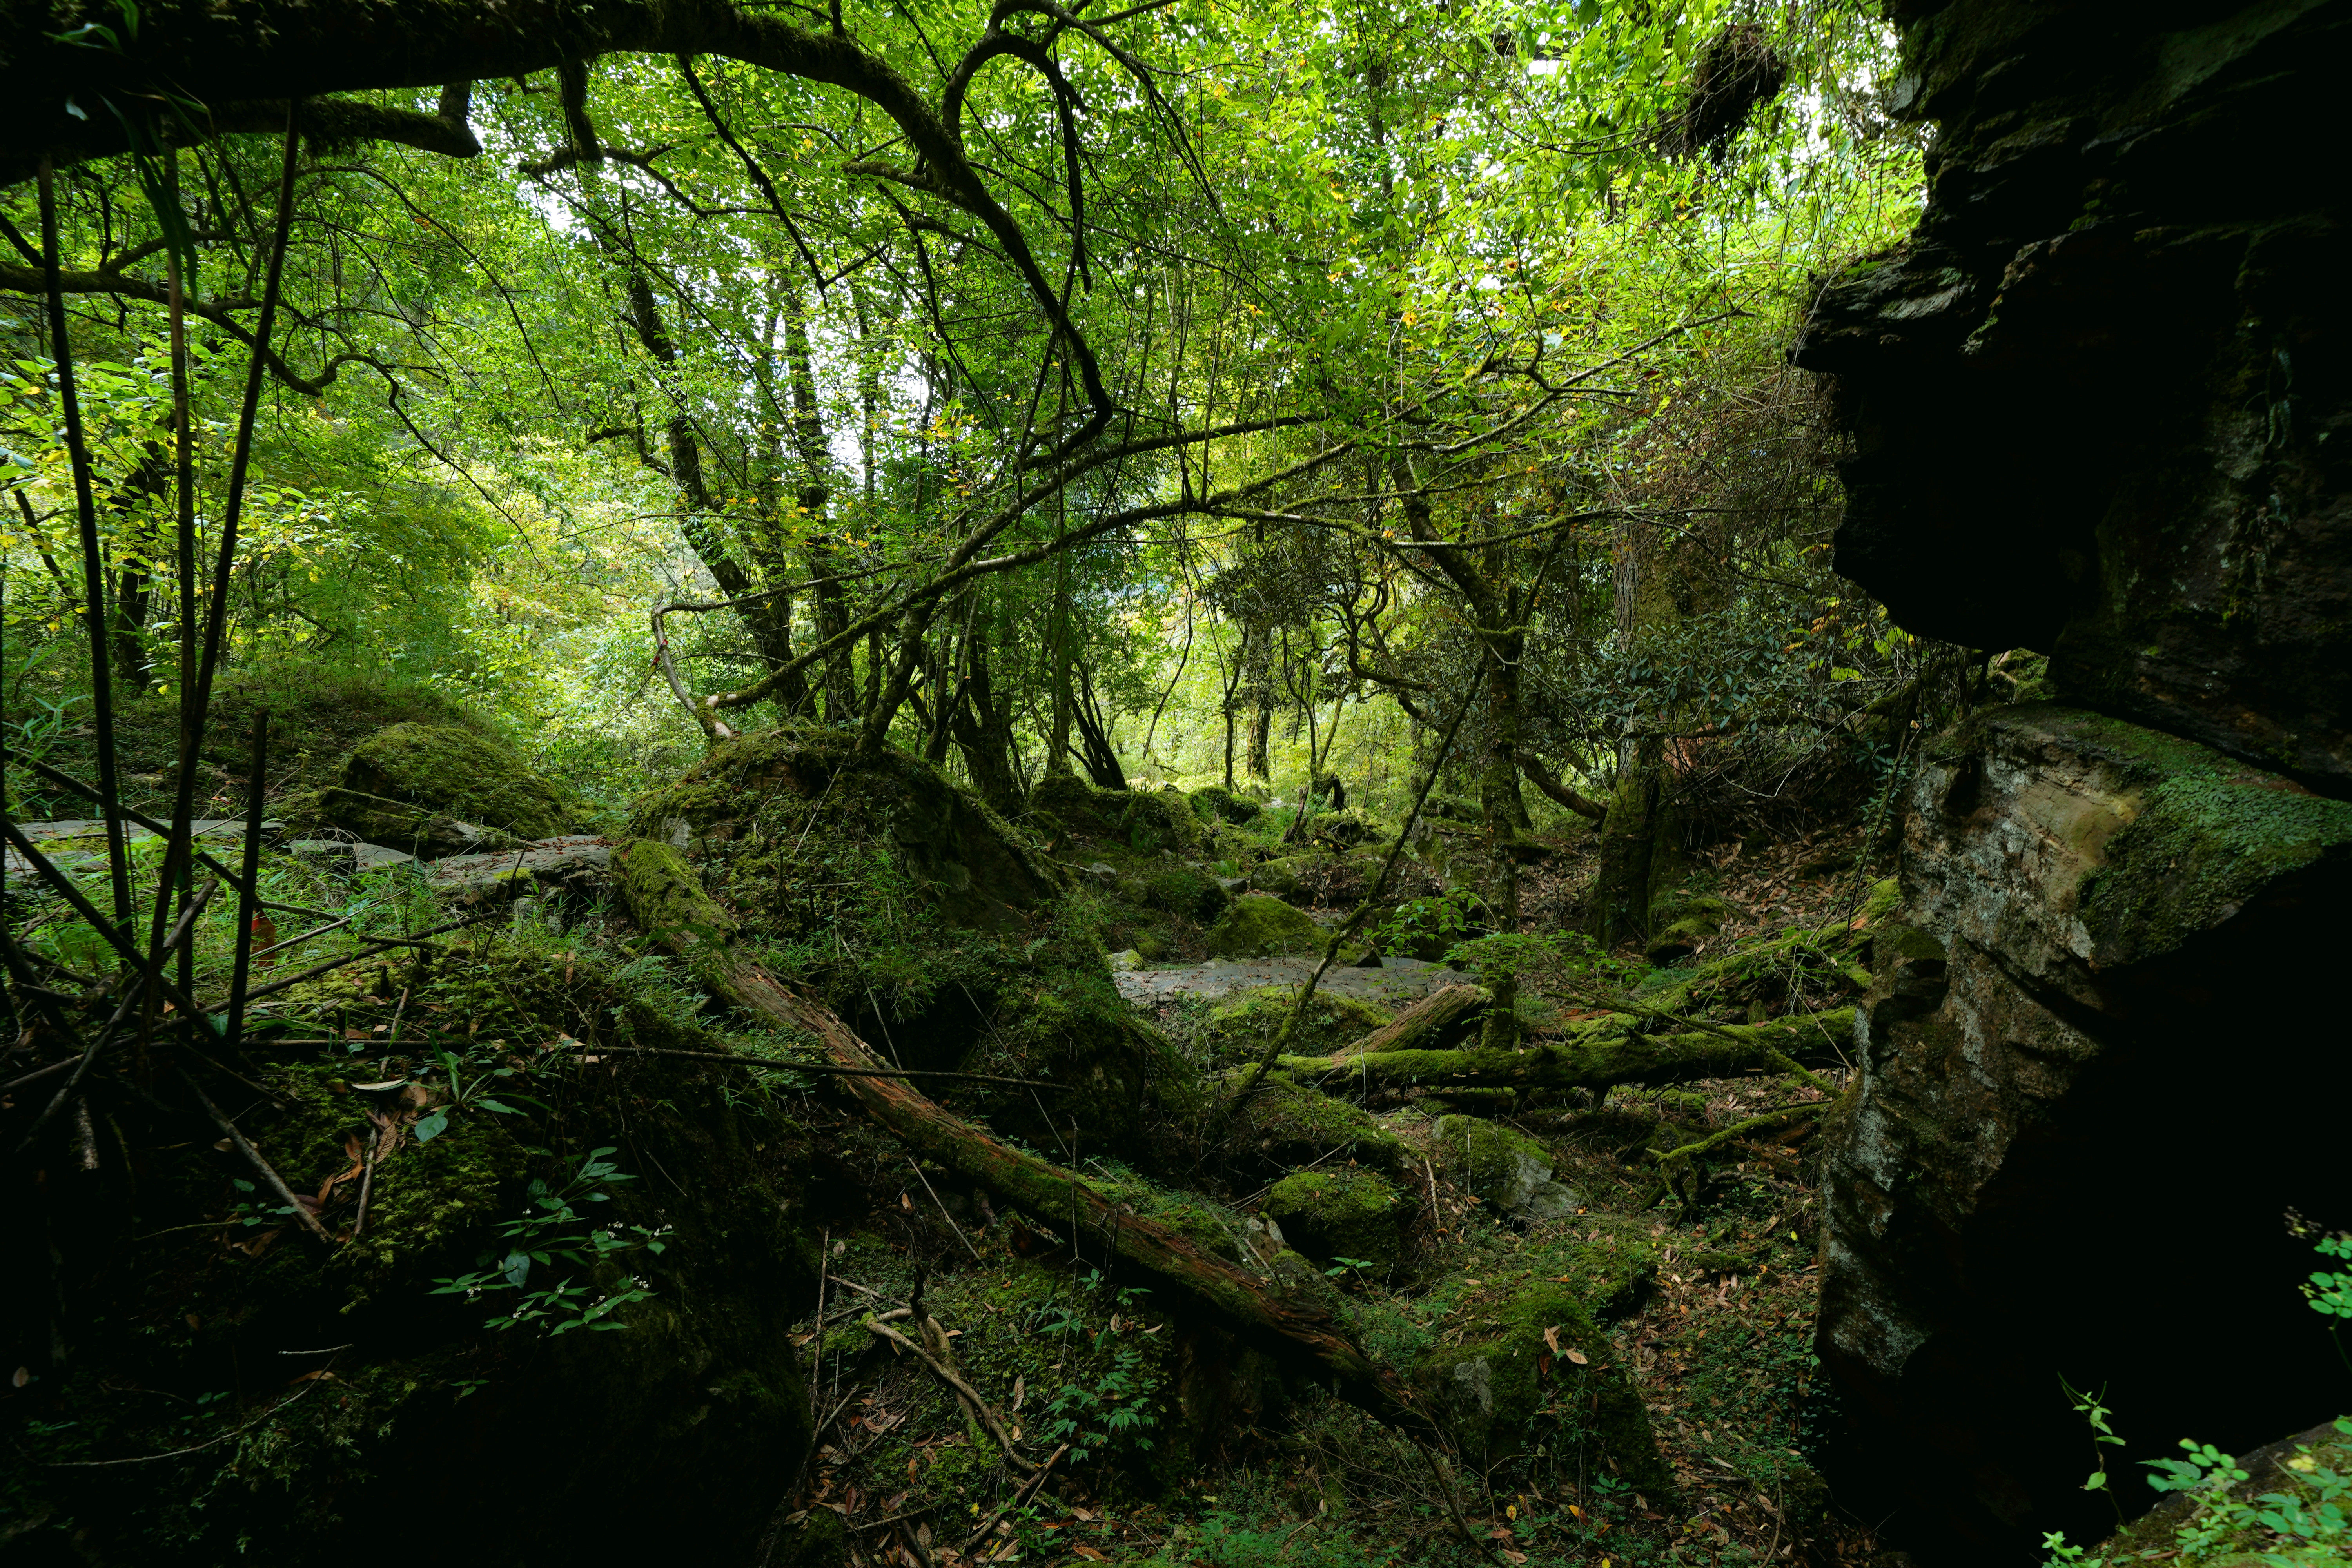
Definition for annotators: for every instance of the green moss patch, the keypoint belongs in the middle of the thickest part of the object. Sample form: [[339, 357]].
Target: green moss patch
[[1257, 926], [1286, 1125], [1241, 1025], [1510, 1169], [1496, 1381], [1329, 1214]]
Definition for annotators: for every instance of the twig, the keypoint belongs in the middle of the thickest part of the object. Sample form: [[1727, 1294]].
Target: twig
[[940, 1371], [895, 1518], [367, 1177], [244, 1146], [1741, 1129], [968, 1246], [375, 950], [1021, 1494], [1454, 1504], [298, 941], [213, 1442]]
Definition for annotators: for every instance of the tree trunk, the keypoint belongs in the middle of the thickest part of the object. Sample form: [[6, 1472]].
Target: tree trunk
[[1620, 887], [1257, 680], [983, 727], [1094, 733], [771, 631], [667, 899]]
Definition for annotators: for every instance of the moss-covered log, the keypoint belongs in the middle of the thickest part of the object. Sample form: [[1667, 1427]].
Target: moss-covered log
[[1590, 1061], [667, 899]]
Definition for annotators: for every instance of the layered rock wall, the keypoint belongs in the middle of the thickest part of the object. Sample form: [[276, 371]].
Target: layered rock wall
[[2099, 406]]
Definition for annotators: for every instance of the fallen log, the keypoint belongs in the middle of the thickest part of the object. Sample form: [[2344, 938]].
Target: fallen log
[[1590, 1060], [1436, 1020], [667, 899]]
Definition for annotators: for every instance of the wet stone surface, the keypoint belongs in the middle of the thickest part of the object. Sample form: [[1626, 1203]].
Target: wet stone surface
[[1398, 980]]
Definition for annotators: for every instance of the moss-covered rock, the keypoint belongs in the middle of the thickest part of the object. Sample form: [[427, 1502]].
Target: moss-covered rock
[[1681, 925], [318, 712], [1329, 1214], [1500, 1380], [1077, 805], [448, 769], [1279, 878], [1216, 801], [1286, 1125], [1160, 822], [1181, 890], [1243, 1024], [1607, 1261], [1508, 1169], [1257, 926], [935, 929]]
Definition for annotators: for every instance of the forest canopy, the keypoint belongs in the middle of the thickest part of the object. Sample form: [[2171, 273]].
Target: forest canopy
[[1185, 391]]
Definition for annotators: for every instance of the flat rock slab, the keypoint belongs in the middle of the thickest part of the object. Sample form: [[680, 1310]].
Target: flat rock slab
[[77, 842], [545, 858], [205, 826], [1397, 980]]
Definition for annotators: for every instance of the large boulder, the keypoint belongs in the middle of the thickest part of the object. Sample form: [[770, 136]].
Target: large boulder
[[2097, 411], [1286, 1125], [1341, 1213], [444, 789], [1070, 802], [1258, 926], [1160, 822], [1243, 1025], [934, 928], [2101, 924], [1216, 801]]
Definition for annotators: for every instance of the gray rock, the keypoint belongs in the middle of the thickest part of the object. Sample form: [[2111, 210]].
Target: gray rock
[[2088, 907]]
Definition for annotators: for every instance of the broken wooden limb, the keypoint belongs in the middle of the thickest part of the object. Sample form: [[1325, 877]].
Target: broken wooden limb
[[1770, 1121], [1544, 779], [1437, 1020], [668, 900], [253, 1156], [1589, 1059]]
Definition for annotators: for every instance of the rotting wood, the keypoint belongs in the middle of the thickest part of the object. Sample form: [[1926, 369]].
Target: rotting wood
[[1434, 1021]]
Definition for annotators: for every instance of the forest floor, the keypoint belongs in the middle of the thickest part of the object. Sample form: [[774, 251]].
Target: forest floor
[[1543, 1235], [1712, 1323]]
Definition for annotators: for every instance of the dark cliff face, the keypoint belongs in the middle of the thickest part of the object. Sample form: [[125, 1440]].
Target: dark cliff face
[[2100, 408], [2100, 397]]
